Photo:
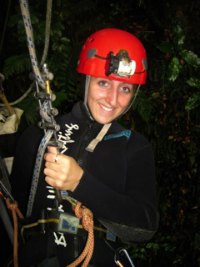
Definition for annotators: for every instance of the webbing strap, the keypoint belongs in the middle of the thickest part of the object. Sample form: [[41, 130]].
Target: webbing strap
[[37, 169]]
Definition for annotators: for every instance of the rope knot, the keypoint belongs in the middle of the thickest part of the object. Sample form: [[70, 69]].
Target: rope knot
[[11, 205], [86, 217], [85, 214]]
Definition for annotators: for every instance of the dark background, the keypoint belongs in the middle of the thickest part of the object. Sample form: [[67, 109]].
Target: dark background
[[166, 111]]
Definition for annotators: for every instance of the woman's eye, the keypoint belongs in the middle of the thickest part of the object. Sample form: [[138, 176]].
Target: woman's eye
[[103, 83], [126, 90]]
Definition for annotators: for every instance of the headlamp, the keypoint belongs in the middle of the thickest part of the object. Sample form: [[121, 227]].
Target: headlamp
[[120, 64]]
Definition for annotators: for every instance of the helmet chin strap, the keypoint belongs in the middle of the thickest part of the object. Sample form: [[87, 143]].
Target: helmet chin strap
[[132, 101], [87, 82], [92, 145]]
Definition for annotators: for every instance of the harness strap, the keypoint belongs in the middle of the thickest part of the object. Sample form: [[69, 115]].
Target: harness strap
[[67, 223]]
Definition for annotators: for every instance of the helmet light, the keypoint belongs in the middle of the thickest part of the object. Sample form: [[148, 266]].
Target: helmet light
[[121, 64]]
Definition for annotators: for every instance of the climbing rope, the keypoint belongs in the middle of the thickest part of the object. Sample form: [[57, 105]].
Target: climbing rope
[[47, 32], [46, 44], [16, 213], [30, 39], [44, 98], [86, 217]]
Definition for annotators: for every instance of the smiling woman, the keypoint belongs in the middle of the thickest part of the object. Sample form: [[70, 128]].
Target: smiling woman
[[108, 99], [108, 168]]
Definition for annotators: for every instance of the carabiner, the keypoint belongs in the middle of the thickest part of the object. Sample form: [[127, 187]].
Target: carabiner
[[122, 258]]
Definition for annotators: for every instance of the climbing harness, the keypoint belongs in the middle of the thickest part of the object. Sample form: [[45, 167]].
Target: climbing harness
[[62, 222]]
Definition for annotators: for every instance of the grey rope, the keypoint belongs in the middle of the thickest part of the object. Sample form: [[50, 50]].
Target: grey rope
[[45, 50], [30, 41], [38, 164], [47, 31]]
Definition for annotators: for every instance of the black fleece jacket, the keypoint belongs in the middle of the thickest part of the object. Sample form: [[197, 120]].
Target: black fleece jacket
[[118, 184]]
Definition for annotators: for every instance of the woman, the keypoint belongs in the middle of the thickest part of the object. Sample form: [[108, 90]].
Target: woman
[[106, 167]]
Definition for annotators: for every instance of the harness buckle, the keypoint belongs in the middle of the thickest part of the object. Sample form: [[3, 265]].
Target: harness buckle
[[68, 223]]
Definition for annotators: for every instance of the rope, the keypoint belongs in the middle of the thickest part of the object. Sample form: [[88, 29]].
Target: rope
[[37, 170], [15, 212], [88, 224], [46, 110], [45, 50], [30, 41], [47, 31], [20, 98], [4, 26]]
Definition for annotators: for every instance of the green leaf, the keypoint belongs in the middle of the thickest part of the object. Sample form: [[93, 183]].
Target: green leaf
[[165, 47], [30, 106], [190, 57], [144, 107], [193, 102], [179, 35], [174, 69], [60, 97], [16, 65], [193, 82]]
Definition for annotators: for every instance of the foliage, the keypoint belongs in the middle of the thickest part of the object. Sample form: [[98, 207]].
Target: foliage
[[173, 127], [166, 110]]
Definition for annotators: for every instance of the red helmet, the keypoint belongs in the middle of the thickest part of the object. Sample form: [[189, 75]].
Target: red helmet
[[114, 54]]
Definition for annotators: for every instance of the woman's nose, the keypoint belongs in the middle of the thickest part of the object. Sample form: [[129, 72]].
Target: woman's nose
[[112, 96]]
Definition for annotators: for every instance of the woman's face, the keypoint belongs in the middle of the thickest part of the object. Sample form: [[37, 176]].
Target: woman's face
[[108, 99]]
